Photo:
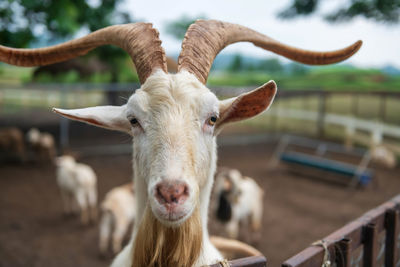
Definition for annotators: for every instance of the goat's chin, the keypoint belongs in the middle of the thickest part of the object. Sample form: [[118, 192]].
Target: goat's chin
[[172, 218]]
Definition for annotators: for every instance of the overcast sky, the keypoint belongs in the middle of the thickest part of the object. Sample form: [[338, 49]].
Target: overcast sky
[[381, 42]]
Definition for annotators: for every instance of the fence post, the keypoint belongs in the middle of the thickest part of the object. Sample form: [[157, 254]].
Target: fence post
[[343, 253], [383, 108], [370, 245], [321, 114], [355, 104], [64, 123], [392, 233]]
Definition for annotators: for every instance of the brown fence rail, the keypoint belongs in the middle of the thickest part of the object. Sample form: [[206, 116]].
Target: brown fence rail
[[371, 240], [256, 261]]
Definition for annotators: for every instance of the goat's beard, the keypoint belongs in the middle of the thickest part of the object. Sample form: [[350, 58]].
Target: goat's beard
[[157, 245]]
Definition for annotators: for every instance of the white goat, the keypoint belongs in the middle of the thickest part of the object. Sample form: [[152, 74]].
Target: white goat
[[78, 186], [42, 143], [383, 156], [240, 200], [174, 119], [118, 212]]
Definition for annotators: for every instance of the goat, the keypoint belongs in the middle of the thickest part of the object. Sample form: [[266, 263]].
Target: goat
[[174, 120], [383, 156], [239, 198], [42, 144], [78, 186], [12, 144], [117, 210]]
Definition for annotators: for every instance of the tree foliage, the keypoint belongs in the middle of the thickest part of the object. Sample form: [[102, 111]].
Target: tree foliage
[[177, 28], [25, 21], [378, 10]]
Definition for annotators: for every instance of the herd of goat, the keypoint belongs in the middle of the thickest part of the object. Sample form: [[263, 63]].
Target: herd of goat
[[237, 199]]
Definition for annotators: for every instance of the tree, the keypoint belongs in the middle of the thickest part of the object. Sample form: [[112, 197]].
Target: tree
[[379, 10], [177, 28], [24, 21], [237, 63], [271, 65]]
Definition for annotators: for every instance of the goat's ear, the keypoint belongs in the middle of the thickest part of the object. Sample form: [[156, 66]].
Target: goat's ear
[[246, 105], [109, 117]]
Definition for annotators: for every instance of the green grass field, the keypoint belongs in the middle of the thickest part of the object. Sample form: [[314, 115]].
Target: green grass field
[[336, 78]]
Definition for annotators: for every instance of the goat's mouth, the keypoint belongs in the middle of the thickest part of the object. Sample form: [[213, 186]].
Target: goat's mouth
[[172, 214]]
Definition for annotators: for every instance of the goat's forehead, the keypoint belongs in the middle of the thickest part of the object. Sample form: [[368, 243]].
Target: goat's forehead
[[173, 91]]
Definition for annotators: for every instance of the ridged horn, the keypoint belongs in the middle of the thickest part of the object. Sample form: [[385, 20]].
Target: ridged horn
[[140, 40], [206, 38]]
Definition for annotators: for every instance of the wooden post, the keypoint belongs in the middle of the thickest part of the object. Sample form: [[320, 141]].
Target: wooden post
[[355, 104], [392, 233], [370, 245], [321, 114], [343, 253], [64, 122], [382, 108]]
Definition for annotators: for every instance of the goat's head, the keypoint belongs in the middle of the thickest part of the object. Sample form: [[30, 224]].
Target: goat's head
[[173, 118]]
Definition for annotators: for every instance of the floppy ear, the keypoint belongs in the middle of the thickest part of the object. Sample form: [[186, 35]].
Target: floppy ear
[[246, 105], [109, 117]]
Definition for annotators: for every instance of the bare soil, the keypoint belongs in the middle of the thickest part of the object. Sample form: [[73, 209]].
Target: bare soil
[[297, 210]]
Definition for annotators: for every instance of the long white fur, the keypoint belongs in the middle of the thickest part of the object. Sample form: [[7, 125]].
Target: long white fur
[[160, 113]]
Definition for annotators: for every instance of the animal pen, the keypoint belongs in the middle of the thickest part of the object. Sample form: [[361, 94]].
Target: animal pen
[[376, 231], [181, 198]]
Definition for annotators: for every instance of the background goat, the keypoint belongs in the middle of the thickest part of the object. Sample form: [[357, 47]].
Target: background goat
[[239, 201], [383, 156], [78, 186], [118, 212], [12, 144], [174, 119], [42, 145]]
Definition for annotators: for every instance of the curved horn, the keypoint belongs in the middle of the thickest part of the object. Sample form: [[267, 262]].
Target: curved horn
[[140, 40], [205, 39], [230, 246]]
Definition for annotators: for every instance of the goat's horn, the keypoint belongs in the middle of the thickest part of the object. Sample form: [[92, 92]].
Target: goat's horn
[[230, 246], [140, 40], [206, 38]]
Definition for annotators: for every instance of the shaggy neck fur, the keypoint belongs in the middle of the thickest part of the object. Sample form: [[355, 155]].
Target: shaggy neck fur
[[157, 245]]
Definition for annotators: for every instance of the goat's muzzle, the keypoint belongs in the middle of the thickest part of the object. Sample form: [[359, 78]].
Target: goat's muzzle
[[171, 196]]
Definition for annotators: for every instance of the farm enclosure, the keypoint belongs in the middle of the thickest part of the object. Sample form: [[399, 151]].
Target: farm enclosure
[[297, 210]]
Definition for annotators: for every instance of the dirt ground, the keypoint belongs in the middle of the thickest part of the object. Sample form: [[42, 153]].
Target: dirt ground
[[297, 210]]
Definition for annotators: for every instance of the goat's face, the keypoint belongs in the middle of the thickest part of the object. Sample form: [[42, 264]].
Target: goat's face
[[174, 119]]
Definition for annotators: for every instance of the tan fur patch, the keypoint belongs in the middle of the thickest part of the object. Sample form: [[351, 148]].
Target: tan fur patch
[[159, 246]]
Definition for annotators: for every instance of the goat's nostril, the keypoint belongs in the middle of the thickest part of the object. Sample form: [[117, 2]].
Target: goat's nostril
[[171, 192]]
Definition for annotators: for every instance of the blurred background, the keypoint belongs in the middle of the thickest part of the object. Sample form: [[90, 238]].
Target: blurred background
[[346, 113]]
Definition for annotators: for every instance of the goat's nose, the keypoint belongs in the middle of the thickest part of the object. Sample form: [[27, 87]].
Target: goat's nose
[[172, 192]]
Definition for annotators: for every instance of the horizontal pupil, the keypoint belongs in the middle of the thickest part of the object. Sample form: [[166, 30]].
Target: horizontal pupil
[[213, 119], [134, 121]]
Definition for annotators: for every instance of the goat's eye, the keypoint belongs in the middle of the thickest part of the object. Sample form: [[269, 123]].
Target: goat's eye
[[212, 120], [134, 121]]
